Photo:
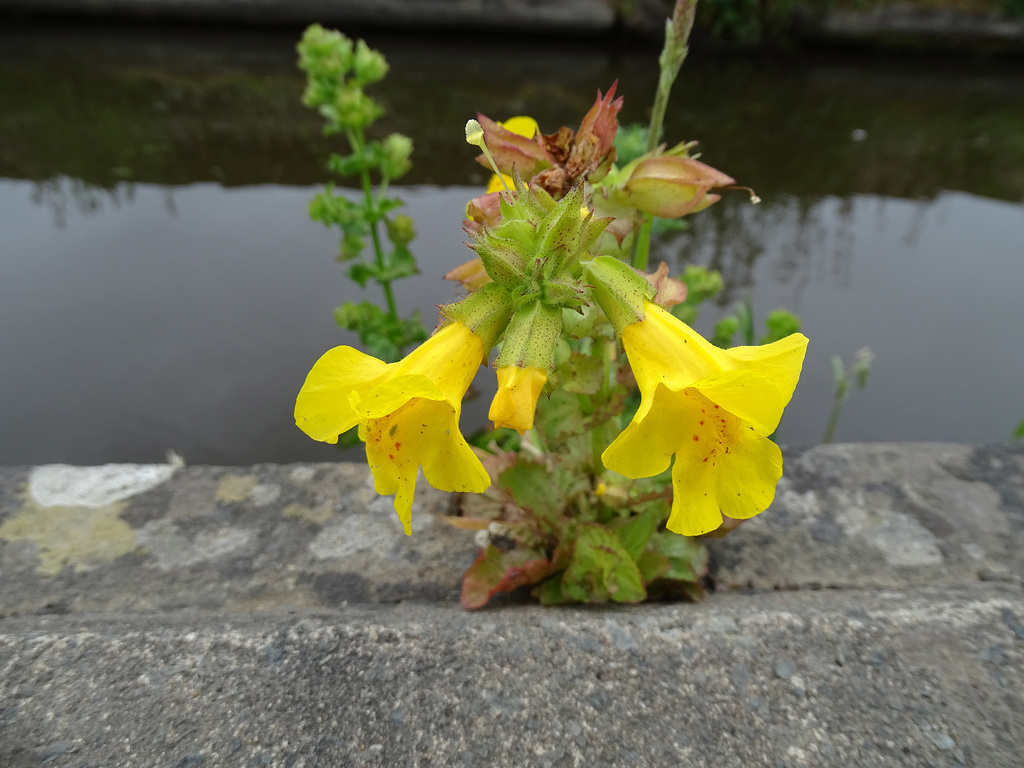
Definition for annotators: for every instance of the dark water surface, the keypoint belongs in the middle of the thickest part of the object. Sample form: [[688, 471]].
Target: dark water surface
[[161, 286]]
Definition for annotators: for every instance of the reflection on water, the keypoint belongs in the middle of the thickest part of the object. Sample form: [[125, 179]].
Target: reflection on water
[[162, 287]]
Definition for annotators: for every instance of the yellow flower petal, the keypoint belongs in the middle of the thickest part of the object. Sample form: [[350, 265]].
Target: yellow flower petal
[[723, 466], [391, 395], [515, 402], [667, 350], [407, 413], [450, 358], [322, 409], [495, 185], [522, 125], [645, 447], [711, 410]]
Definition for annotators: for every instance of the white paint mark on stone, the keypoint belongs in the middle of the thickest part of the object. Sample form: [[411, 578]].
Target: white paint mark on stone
[[61, 485]]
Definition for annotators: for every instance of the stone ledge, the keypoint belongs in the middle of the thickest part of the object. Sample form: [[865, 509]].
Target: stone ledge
[[850, 678], [302, 537]]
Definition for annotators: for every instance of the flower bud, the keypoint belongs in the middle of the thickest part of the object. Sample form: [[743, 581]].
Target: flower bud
[[370, 66], [400, 229], [397, 149]]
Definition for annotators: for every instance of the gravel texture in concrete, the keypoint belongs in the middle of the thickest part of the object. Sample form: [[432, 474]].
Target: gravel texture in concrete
[[841, 678]]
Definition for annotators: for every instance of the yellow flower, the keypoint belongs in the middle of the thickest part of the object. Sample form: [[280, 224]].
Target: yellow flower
[[407, 413], [516, 400], [712, 409]]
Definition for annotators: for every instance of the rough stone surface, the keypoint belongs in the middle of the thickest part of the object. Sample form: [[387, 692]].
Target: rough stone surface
[[277, 616], [884, 515], [912, 678], [227, 539]]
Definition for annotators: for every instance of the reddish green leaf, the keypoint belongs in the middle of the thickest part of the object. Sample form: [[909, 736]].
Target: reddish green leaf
[[496, 571]]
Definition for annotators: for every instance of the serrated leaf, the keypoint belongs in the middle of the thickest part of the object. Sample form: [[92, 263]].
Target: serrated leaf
[[534, 487], [601, 569], [559, 414], [496, 571], [583, 374]]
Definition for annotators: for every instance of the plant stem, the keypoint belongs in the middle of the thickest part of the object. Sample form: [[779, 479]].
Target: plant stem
[[677, 37], [833, 419], [642, 244], [358, 142]]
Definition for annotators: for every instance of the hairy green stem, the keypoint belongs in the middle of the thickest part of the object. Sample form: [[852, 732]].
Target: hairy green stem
[[677, 37], [642, 244]]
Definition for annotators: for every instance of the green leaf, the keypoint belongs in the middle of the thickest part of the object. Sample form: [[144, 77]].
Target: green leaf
[[550, 592], [636, 531], [601, 569], [701, 285], [535, 488], [1019, 433], [688, 557], [401, 264], [559, 415], [361, 273], [381, 334], [652, 565], [352, 165], [745, 313], [582, 374], [496, 571]]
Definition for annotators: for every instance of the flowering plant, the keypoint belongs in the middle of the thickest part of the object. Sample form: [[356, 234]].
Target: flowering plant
[[621, 435]]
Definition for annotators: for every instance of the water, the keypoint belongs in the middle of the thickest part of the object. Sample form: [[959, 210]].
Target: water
[[161, 286]]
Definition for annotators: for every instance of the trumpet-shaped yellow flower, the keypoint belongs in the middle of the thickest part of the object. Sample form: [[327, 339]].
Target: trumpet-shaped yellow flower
[[407, 413], [516, 399], [712, 409]]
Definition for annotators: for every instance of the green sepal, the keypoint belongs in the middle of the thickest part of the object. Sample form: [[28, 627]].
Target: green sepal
[[531, 336], [546, 201], [485, 312], [566, 293], [504, 258], [563, 228], [619, 289]]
